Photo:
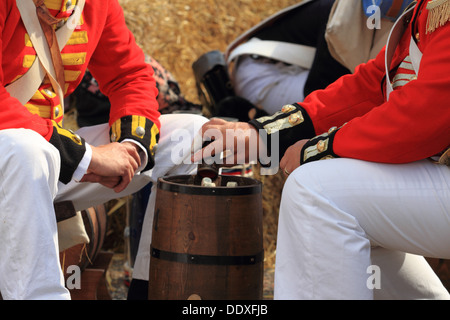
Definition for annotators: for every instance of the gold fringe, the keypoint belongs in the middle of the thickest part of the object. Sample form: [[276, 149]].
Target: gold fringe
[[438, 14]]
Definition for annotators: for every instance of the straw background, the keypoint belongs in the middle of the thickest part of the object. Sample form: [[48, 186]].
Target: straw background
[[177, 32]]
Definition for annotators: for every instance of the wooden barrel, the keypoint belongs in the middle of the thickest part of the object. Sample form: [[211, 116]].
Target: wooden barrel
[[207, 242], [95, 222]]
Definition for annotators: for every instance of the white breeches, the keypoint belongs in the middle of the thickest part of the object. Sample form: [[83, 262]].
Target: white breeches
[[350, 229], [29, 170]]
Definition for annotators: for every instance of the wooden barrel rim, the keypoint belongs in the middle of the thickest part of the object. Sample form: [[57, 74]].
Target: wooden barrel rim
[[184, 185]]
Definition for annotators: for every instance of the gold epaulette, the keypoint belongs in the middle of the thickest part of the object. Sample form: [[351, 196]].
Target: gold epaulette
[[438, 14]]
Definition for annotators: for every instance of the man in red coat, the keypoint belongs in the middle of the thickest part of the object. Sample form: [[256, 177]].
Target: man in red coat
[[357, 225], [41, 161]]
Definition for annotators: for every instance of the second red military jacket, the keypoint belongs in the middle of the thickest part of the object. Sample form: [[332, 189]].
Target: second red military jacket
[[353, 118]]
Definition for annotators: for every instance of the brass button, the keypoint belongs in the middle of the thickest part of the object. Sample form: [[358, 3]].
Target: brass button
[[287, 108], [321, 147], [113, 137], [77, 138], [294, 119], [332, 130], [417, 37], [413, 78], [56, 112], [140, 131]]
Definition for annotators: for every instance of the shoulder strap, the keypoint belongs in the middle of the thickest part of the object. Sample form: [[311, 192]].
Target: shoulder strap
[[25, 87], [291, 53]]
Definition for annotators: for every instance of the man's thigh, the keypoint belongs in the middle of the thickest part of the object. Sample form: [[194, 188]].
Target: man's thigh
[[401, 207]]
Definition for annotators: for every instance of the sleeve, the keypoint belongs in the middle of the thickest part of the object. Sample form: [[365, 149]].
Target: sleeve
[[118, 64], [412, 125], [290, 124], [350, 96]]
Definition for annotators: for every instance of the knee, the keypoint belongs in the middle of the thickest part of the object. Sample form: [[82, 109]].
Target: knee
[[181, 128], [319, 192], [176, 123], [300, 195], [27, 150], [178, 131], [302, 180], [194, 121]]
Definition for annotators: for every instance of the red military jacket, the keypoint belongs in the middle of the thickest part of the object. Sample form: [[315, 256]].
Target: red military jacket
[[353, 118], [102, 43]]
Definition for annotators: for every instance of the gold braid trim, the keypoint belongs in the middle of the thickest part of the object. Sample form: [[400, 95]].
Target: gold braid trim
[[438, 14]]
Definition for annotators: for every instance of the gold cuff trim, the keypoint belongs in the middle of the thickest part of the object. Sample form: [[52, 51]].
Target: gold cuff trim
[[316, 149], [285, 121]]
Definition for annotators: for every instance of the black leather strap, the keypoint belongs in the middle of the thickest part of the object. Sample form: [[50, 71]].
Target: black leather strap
[[207, 260]]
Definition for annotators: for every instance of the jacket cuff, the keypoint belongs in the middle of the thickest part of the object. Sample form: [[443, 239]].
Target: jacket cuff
[[291, 124], [139, 129], [319, 147], [71, 148]]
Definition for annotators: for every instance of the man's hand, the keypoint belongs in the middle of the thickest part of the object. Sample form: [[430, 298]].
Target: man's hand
[[113, 165], [291, 158], [240, 140]]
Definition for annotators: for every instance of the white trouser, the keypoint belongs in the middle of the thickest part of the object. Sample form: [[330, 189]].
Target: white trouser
[[351, 229], [269, 85], [29, 170]]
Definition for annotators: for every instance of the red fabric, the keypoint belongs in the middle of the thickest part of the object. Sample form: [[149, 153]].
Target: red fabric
[[414, 123], [114, 59]]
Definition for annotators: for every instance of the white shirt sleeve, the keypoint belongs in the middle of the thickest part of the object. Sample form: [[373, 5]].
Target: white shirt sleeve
[[143, 154], [83, 165]]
